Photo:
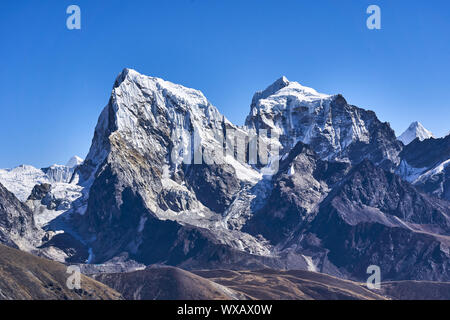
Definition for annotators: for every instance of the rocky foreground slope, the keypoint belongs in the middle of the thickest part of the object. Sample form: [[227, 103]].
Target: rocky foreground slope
[[169, 283], [166, 283], [26, 277], [172, 283]]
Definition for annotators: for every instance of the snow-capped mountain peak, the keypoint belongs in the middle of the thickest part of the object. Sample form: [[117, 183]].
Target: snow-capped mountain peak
[[270, 90], [294, 113], [415, 130], [283, 87], [74, 161]]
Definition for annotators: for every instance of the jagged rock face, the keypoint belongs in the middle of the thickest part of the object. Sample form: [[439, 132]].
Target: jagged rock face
[[375, 218], [136, 155], [436, 181], [150, 240], [333, 128], [301, 184], [214, 185], [63, 247], [400, 253], [427, 153], [141, 136], [369, 186], [40, 191], [194, 248], [426, 165], [17, 228], [347, 219]]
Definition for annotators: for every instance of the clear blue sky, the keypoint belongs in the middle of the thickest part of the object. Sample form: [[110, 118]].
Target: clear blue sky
[[54, 82]]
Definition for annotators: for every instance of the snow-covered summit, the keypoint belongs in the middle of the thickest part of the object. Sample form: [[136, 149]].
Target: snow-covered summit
[[74, 161], [270, 90], [415, 130], [139, 102], [282, 88], [326, 122], [144, 116], [22, 179]]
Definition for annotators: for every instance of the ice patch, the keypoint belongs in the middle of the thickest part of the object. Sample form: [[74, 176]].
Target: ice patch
[[409, 173], [291, 170], [436, 170], [310, 264]]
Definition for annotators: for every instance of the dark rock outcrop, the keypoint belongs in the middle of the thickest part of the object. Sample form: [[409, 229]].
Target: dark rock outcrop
[[427, 165], [40, 191], [427, 153], [374, 218], [17, 227], [301, 184]]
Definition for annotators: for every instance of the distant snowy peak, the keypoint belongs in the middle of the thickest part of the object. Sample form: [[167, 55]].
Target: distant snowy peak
[[415, 130], [22, 179], [74, 162]]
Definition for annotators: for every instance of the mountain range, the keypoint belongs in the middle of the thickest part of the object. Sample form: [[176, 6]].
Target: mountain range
[[331, 189]]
